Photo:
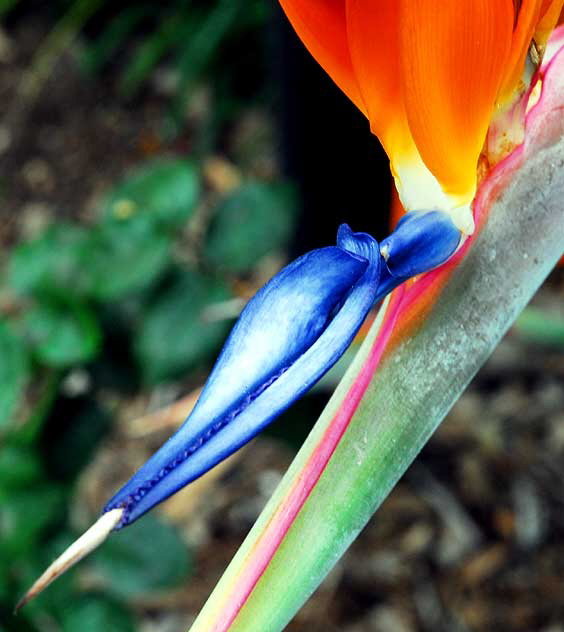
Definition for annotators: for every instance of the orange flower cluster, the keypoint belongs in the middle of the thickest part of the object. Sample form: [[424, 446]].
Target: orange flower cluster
[[429, 75]]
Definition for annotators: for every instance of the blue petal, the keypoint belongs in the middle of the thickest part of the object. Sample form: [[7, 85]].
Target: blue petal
[[421, 241], [293, 330]]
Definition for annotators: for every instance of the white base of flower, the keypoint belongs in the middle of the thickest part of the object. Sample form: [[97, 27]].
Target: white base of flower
[[419, 190]]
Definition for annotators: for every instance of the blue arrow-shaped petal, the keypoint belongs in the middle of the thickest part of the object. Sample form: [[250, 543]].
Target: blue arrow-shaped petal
[[292, 331]]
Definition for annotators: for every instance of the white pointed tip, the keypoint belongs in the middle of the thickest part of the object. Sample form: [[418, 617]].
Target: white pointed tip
[[79, 549]]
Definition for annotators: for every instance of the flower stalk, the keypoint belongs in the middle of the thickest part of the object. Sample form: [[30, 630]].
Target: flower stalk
[[426, 347]]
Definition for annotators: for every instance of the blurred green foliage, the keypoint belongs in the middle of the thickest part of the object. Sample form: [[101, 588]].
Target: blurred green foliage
[[131, 565], [541, 326], [142, 281], [240, 232], [193, 38], [140, 295], [190, 33], [14, 371], [166, 343]]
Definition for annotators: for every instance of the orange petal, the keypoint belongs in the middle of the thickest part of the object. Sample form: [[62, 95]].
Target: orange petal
[[452, 59], [528, 16], [373, 35], [321, 25], [551, 14]]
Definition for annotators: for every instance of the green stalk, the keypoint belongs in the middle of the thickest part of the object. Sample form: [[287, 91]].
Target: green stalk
[[414, 388]]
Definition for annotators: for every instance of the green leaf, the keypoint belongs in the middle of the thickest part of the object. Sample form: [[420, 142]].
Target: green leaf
[[253, 221], [18, 467], [45, 391], [178, 331], [127, 256], [201, 44], [95, 614], [170, 31], [24, 513], [14, 373], [541, 326], [6, 6], [62, 332], [148, 556], [167, 191], [52, 262], [113, 38]]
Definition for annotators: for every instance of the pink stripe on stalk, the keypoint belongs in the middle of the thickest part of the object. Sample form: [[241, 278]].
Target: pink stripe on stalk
[[283, 518], [544, 116]]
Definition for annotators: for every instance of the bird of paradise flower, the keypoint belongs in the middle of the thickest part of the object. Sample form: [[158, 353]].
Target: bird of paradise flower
[[446, 87]]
